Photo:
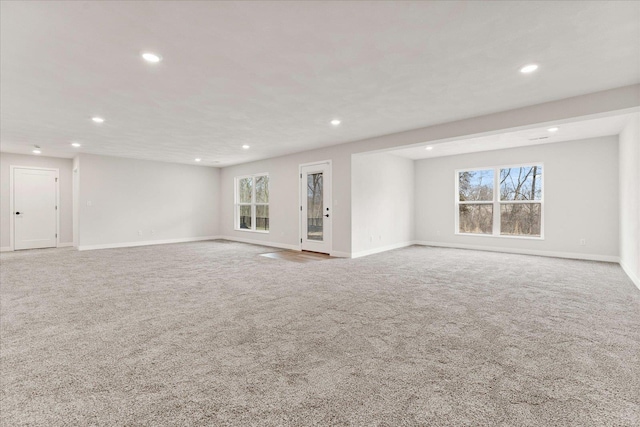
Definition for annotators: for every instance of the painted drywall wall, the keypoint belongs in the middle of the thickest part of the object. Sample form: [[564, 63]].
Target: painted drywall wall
[[580, 198], [283, 170], [76, 197], [382, 207], [65, 186], [630, 199], [125, 202], [284, 203], [620, 100]]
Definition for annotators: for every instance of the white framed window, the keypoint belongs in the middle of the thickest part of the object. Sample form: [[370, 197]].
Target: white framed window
[[502, 201], [252, 203]]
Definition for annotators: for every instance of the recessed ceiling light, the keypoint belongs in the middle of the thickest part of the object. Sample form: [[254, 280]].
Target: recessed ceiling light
[[335, 122], [151, 57], [75, 144], [429, 148], [198, 160], [529, 68], [245, 147], [554, 129], [97, 119], [36, 151]]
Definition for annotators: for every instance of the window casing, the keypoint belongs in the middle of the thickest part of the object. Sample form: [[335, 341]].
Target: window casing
[[503, 201], [252, 203]]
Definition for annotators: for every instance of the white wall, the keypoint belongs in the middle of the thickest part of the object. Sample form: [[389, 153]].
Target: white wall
[[76, 197], [382, 207], [630, 199], [65, 186], [165, 201], [180, 201], [284, 203], [580, 194], [283, 170]]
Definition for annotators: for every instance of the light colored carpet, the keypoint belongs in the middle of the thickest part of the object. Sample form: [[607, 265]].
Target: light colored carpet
[[210, 333]]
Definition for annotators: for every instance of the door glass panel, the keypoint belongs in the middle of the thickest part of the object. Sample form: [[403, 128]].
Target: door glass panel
[[314, 207]]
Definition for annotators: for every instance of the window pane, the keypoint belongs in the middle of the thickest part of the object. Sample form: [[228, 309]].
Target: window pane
[[476, 185], [523, 183], [262, 217], [262, 189], [315, 223], [245, 217], [520, 219], [476, 219], [245, 190]]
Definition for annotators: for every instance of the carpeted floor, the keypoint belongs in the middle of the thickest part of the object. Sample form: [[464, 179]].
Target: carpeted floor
[[210, 333]]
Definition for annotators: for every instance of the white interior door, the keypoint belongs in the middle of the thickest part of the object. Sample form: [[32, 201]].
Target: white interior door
[[35, 218], [315, 207]]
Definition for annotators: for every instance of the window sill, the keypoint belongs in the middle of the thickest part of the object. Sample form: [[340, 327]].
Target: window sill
[[252, 231], [501, 236]]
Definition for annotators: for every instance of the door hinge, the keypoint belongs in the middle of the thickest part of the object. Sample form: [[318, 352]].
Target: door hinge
[[300, 240], [300, 207], [300, 176], [56, 208], [56, 179], [56, 235]]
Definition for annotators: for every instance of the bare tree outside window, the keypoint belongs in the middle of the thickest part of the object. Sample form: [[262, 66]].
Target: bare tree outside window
[[245, 199], [476, 186], [520, 219], [500, 201], [252, 203], [524, 186], [262, 202], [473, 187], [315, 223]]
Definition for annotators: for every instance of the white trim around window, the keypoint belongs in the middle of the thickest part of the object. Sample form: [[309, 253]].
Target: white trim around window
[[496, 203], [252, 216]]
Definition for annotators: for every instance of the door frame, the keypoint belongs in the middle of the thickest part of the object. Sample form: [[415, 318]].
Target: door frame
[[11, 203], [300, 201]]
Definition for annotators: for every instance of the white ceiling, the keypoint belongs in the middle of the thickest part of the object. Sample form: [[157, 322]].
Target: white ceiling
[[273, 74], [575, 130]]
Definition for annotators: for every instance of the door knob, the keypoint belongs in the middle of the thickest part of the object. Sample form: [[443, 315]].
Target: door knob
[[327, 215], [17, 213]]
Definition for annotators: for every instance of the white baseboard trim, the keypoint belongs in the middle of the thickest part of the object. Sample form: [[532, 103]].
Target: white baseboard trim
[[261, 243], [570, 255], [381, 249], [65, 245], [339, 254], [635, 279], [145, 243], [6, 249]]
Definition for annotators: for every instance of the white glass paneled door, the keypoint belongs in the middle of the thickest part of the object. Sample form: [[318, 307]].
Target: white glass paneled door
[[315, 207]]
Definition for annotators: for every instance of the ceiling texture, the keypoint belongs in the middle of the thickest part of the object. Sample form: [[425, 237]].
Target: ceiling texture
[[571, 131], [274, 74]]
